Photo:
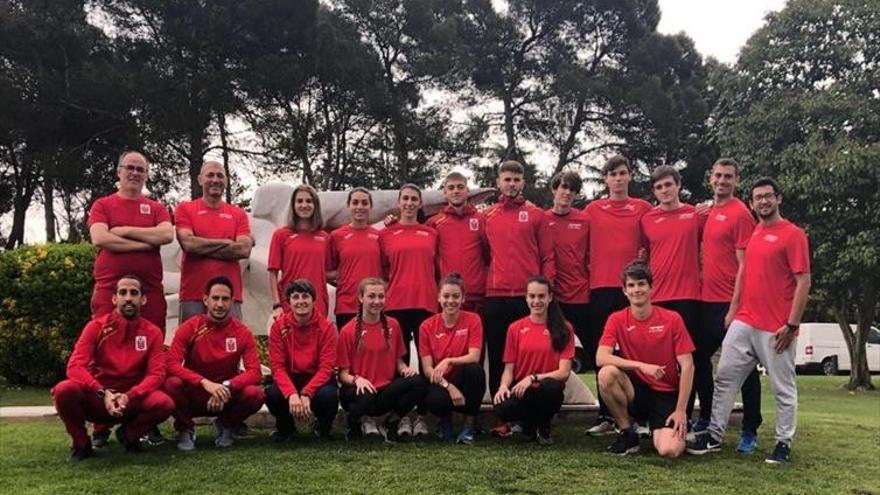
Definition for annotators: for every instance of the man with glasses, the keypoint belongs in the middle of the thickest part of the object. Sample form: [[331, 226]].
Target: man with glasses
[[214, 236], [114, 374]]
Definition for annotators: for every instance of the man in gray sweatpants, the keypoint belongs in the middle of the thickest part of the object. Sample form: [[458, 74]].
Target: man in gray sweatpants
[[771, 291]]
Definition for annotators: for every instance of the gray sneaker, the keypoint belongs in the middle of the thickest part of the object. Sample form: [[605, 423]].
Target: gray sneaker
[[225, 437], [186, 440]]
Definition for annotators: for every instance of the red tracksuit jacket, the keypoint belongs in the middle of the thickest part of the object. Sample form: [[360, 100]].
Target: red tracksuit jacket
[[462, 247], [308, 349]]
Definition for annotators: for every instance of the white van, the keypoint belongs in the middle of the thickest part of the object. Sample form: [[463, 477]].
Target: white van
[[821, 347]]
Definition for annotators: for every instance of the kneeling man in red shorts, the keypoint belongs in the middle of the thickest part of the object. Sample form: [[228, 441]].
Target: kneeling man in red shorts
[[203, 372], [114, 374]]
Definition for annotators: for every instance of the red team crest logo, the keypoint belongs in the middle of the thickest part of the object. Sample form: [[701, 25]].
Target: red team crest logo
[[145, 209], [474, 224], [523, 216], [231, 345], [140, 343]]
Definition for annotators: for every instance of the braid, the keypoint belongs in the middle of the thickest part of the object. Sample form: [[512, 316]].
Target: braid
[[386, 331], [359, 327]]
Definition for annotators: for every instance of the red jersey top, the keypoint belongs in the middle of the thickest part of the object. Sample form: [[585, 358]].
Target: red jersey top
[[224, 222], [673, 239], [461, 245], [614, 238], [116, 211], [520, 246], [774, 255], [571, 242], [356, 254], [115, 353], [657, 340], [296, 349], [376, 360], [203, 348], [301, 255], [408, 252], [440, 342], [529, 347], [727, 229]]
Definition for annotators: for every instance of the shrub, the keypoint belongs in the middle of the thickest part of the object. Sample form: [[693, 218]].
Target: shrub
[[45, 294]]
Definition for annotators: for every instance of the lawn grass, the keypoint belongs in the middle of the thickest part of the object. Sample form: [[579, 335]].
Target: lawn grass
[[837, 450], [24, 396]]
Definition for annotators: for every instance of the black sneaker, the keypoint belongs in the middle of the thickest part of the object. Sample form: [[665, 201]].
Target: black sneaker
[[322, 431], [390, 426], [134, 446], [154, 436], [242, 430], [100, 438], [543, 435], [627, 443], [78, 454], [353, 430], [781, 454], [703, 444], [282, 436]]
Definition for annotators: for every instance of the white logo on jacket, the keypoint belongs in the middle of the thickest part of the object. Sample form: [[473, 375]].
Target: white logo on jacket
[[474, 224], [771, 238], [231, 344], [720, 217], [140, 343], [523, 216], [686, 216], [656, 328], [145, 209]]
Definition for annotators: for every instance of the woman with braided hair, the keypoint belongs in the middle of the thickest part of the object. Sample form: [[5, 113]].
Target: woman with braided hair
[[374, 378]]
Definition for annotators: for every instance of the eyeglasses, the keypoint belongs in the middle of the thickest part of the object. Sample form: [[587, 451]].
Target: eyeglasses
[[124, 292], [762, 197], [134, 168]]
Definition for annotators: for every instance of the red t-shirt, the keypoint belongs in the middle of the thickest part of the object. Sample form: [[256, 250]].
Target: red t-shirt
[[614, 238], [116, 211], [301, 255], [408, 252], [774, 255], [728, 228], [440, 342], [657, 340], [571, 242], [224, 222], [203, 349], [673, 239], [126, 356], [520, 246], [529, 347], [308, 349], [377, 359], [356, 254], [461, 245]]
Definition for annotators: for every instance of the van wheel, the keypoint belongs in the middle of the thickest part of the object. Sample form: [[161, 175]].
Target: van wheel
[[829, 366]]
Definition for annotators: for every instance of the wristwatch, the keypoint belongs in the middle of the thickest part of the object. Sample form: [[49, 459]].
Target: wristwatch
[[225, 383], [534, 377], [792, 327], [446, 384]]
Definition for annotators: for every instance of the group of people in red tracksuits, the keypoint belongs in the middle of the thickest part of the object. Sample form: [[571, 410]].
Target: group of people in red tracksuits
[[649, 292]]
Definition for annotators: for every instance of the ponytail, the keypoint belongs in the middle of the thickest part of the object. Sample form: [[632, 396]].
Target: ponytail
[[556, 324]]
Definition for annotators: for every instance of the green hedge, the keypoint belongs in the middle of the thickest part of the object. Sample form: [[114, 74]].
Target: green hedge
[[44, 303]]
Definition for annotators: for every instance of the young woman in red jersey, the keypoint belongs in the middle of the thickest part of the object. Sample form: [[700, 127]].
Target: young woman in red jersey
[[375, 380], [450, 344], [355, 254], [302, 354], [537, 361], [409, 251], [300, 249]]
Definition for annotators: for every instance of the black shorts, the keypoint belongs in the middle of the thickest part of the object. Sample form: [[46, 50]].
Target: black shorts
[[651, 404]]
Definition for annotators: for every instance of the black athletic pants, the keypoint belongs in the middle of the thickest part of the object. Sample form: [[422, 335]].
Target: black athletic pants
[[689, 310], [498, 314], [324, 404], [410, 320], [399, 396], [579, 316], [603, 302], [471, 380], [536, 407]]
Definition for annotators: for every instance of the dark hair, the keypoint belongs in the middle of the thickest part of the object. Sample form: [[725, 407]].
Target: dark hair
[[300, 285], [636, 270], [664, 171], [511, 166], [131, 276], [453, 278], [571, 180], [359, 190], [219, 280], [766, 181], [317, 221], [359, 319], [556, 323], [615, 161], [727, 162], [456, 177]]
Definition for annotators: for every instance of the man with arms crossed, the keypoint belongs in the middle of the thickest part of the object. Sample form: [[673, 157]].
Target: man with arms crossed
[[772, 286], [214, 235], [728, 229], [615, 240], [644, 380]]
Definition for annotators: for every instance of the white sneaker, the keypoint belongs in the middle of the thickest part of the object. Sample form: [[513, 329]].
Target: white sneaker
[[368, 425], [643, 431], [601, 428], [405, 427], [419, 427], [186, 440]]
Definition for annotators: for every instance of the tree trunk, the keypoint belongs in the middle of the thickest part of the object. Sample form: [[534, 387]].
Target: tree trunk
[[16, 235], [49, 209], [196, 154], [511, 152], [221, 122]]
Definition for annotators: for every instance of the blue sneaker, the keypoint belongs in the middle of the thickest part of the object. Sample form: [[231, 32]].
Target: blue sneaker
[[466, 435], [703, 444], [748, 442], [781, 454], [444, 428]]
